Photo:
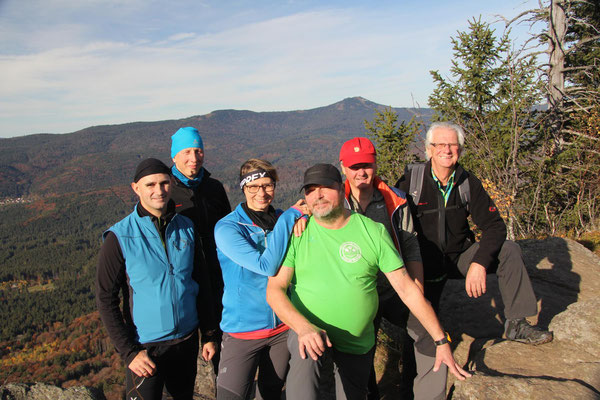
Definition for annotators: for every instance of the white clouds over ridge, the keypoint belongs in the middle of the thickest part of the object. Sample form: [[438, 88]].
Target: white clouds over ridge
[[294, 59]]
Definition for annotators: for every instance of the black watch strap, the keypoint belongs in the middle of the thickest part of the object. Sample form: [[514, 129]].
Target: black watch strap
[[444, 340]]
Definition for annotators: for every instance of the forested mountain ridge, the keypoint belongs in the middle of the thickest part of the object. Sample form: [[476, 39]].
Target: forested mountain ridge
[[103, 156]]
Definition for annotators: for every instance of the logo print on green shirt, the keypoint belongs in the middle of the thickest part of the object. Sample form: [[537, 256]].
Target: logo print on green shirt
[[350, 252]]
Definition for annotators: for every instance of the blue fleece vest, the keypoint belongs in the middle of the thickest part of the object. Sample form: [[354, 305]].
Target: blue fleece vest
[[163, 293]]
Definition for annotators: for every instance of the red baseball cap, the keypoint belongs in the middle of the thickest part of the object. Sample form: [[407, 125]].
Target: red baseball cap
[[358, 150]]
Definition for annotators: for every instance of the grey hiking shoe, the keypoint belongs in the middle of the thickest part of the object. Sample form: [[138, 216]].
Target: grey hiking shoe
[[520, 330]]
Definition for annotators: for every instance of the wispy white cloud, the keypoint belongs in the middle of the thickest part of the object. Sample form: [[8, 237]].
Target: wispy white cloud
[[74, 74], [181, 36]]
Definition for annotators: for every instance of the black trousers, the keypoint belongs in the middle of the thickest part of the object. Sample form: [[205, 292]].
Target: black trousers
[[176, 367]]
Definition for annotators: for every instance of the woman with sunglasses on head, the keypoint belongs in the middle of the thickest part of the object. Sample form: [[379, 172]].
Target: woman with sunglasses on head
[[251, 243]]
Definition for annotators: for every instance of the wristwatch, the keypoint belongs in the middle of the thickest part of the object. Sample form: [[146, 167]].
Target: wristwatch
[[444, 340]]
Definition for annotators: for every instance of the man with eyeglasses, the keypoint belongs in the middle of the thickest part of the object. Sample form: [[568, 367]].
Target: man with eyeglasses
[[448, 245]]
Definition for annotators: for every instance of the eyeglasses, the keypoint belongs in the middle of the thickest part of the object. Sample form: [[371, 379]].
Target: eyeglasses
[[441, 146], [252, 189]]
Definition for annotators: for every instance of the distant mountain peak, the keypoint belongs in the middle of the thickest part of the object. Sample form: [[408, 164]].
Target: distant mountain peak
[[357, 98], [356, 102]]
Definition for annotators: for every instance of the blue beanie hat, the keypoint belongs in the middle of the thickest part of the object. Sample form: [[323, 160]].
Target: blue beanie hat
[[185, 138]]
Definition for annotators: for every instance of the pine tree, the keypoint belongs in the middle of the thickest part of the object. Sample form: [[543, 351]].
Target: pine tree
[[491, 92], [394, 142]]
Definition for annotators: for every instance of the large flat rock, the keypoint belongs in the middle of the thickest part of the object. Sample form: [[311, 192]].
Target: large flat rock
[[564, 275]]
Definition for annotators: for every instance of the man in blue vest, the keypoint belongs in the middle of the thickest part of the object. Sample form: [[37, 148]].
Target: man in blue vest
[[150, 258]]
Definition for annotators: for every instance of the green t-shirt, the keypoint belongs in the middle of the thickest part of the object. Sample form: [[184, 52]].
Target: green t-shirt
[[334, 282]]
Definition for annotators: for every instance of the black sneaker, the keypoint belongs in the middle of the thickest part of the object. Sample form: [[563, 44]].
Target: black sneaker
[[520, 330]]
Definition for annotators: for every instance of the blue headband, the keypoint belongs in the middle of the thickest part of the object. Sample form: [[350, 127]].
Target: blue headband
[[185, 138]]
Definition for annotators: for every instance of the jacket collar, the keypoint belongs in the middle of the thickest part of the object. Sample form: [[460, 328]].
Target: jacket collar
[[459, 171], [182, 180], [392, 201], [242, 217]]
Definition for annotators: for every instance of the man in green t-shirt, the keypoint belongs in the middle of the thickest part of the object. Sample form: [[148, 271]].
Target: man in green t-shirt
[[331, 273]]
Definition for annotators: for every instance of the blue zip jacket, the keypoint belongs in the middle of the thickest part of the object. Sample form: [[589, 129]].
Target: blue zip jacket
[[163, 292], [248, 256]]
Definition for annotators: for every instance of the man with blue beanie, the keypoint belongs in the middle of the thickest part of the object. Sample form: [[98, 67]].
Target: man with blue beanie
[[200, 198]]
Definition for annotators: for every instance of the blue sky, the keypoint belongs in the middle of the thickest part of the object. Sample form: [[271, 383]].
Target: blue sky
[[69, 64]]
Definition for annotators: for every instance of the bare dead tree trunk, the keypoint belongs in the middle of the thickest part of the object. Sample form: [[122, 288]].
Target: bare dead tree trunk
[[556, 41]]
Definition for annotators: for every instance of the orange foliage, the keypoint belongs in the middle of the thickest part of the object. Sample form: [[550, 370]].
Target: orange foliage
[[502, 200], [27, 355], [41, 206], [16, 284], [65, 356]]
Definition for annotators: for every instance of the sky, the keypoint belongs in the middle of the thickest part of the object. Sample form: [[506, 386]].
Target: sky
[[69, 64]]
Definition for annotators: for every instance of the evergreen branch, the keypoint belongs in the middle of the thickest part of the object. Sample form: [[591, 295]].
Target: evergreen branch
[[573, 132], [581, 43]]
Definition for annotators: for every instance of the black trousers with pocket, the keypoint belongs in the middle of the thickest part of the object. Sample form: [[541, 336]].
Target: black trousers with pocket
[[176, 367]]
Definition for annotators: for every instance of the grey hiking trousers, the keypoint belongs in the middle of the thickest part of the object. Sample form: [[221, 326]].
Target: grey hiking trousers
[[351, 373]]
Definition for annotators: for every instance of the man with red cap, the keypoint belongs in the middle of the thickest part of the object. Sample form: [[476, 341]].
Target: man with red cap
[[368, 195]]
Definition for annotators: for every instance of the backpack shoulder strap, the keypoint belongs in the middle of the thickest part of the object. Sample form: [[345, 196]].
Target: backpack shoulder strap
[[464, 191], [416, 172]]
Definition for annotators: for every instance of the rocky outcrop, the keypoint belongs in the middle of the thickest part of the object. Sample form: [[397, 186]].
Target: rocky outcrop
[[564, 275], [42, 391], [205, 381]]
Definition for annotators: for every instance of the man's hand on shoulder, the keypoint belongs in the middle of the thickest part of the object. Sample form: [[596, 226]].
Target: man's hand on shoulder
[[475, 282], [299, 226], [142, 365], [312, 341]]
